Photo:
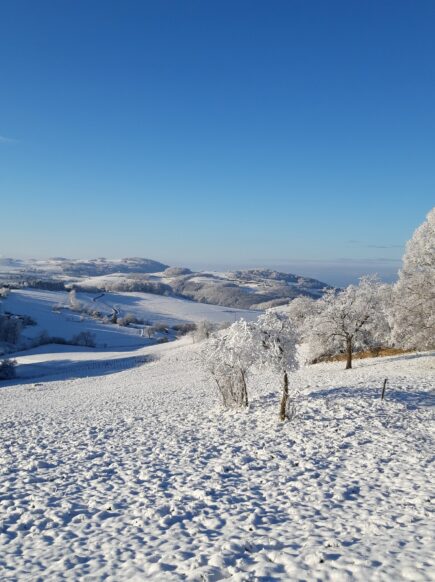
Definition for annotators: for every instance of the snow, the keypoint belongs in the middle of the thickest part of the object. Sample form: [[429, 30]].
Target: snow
[[153, 308], [39, 305], [139, 475], [174, 310]]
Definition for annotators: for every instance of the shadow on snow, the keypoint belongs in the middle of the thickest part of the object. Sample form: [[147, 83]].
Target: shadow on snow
[[69, 369], [411, 399]]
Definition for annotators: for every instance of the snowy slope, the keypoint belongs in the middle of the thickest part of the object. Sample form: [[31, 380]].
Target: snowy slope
[[153, 308], [39, 305], [173, 309], [139, 476]]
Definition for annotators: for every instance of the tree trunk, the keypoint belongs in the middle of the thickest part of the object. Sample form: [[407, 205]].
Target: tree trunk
[[245, 401], [348, 353], [284, 399]]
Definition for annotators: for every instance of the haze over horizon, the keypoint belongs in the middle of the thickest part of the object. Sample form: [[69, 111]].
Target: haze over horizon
[[296, 136], [339, 273]]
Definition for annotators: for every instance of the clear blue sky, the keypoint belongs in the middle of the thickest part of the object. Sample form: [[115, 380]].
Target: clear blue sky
[[217, 132]]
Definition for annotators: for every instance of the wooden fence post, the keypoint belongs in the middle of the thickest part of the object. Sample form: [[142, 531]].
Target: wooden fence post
[[383, 388]]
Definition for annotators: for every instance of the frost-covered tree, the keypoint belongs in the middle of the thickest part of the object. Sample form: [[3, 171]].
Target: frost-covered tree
[[298, 311], [231, 354], [278, 350], [73, 302], [351, 319], [414, 305], [229, 357]]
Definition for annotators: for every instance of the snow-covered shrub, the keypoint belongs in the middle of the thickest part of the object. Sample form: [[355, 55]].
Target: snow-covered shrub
[[73, 302], [202, 331], [161, 327], [7, 369], [184, 328], [128, 319], [228, 357], [44, 338], [278, 351], [354, 318], [84, 338], [4, 292], [413, 312]]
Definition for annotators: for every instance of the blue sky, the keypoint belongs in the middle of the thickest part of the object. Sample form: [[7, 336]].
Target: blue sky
[[294, 133]]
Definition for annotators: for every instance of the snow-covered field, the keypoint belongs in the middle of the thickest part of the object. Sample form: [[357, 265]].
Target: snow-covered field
[[154, 308], [138, 475]]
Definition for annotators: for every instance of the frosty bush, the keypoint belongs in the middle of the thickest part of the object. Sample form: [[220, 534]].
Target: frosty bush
[[277, 351], [269, 343], [202, 331], [7, 369], [184, 328], [73, 302], [4, 292], [161, 327], [128, 319], [228, 357], [414, 294], [84, 338]]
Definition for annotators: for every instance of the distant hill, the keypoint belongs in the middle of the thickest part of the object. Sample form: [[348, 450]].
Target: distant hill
[[82, 267], [244, 289], [248, 289]]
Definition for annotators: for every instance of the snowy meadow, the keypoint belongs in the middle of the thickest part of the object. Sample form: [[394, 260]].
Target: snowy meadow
[[188, 441], [141, 475]]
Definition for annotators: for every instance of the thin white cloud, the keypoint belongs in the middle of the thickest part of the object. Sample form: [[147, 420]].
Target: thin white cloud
[[4, 139]]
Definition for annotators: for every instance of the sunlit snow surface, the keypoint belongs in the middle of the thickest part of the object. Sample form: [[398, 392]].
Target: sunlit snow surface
[[50, 311], [138, 474]]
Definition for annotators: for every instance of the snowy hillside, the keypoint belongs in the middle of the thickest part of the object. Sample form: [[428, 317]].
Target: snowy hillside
[[249, 289], [78, 267], [50, 311], [139, 475]]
